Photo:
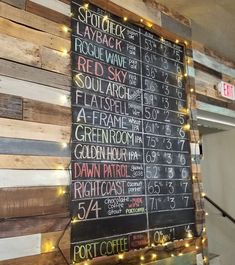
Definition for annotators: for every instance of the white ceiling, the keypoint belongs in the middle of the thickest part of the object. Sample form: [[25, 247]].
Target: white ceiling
[[213, 22]]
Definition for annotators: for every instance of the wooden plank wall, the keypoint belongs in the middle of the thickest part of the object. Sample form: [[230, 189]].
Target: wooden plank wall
[[35, 120]]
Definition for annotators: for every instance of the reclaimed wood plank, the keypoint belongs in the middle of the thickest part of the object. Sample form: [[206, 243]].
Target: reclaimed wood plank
[[23, 52], [169, 12], [205, 84], [37, 37], [17, 3], [32, 201], [34, 131], [175, 26], [212, 63], [33, 178], [30, 90], [33, 21], [46, 113], [52, 258], [11, 107], [35, 75], [47, 13], [22, 246], [212, 53], [142, 9], [33, 147], [33, 162], [56, 61], [52, 238], [34, 225], [55, 5]]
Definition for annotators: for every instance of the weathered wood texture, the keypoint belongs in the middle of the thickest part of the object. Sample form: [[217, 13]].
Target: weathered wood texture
[[35, 118], [11, 107], [34, 75], [32, 201]]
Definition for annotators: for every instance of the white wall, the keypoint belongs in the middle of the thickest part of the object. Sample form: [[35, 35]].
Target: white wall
[[218, 170]]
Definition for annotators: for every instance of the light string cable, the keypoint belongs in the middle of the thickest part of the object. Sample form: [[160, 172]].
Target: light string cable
[[69, 170], [194, 127]]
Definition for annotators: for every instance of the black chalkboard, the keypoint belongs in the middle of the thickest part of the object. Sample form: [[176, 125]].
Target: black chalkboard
[[131, 166]]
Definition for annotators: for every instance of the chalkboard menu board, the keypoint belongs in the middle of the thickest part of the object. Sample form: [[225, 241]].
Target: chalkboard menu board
[[131, 171]]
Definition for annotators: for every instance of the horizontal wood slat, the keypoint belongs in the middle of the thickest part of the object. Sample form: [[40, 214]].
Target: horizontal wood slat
[[32, 201], [35, 75], [23, 52], [13, 146], [53, 258], [52, 239], [22, 246], [31, 35], [16, 3], [46, 113], [34, 131], [34, 225], [30, 90], [31, 178], [11, 107], [56, 61], [33, 21], [33, 162], [47, 13], [55, 5]]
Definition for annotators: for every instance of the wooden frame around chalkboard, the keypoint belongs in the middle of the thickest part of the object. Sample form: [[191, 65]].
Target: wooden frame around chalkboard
[[178, 247]]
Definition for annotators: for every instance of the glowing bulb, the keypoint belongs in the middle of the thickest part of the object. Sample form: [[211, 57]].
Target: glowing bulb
[[74, 220], [185, 42], [184, 110], [186, 245], [86, 5], [61, 191], [176, 41], [205, 259], [120, 256], [203, 194], [206, 213], [105, 18], [189, 234], [154, 256], [64, 51], [162, 39], [186, 127], [149, 24], [194, 177], [71, 14], [180, 254], [203, 240], [197, 247], [152, 245], [65, 29], [141, 20], [172, 255], [64, 145], [185, 75], [63, 99], [86, 263], [142, 257], [125, 18], [191, 90]]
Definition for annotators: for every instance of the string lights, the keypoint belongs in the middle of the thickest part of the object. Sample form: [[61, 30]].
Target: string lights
[[186, 127]]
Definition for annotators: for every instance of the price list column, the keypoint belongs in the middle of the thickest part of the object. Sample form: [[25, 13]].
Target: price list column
[[166, 144], [108, 202]]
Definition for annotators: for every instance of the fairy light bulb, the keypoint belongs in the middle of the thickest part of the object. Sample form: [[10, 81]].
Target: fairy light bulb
[[141, 257], [125, 18], [177, 41], [120, 256], [105, 17]]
